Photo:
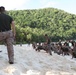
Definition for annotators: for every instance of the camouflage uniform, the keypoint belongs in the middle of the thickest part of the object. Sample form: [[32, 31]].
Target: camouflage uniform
[[7, 36]]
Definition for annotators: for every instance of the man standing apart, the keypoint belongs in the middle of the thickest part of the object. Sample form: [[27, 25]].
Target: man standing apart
[[7, 33], [47, 44]]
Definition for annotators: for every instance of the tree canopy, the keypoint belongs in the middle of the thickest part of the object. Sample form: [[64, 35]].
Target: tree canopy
[[31, 25]]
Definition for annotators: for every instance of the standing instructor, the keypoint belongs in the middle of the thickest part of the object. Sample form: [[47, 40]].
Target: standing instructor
[[7, 33]]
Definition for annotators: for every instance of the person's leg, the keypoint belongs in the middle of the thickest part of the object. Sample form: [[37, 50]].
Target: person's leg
[[49, 49], [10, 49]]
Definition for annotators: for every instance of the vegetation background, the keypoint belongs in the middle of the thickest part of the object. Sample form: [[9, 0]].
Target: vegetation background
[[31, 25]]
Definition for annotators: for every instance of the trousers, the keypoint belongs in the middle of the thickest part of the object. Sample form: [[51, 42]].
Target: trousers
[[7, 37]]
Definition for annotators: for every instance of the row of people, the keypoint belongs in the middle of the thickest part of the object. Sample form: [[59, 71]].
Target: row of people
[[66, 48]]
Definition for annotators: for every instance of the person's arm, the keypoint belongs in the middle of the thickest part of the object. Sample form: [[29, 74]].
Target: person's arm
[[13, 28]]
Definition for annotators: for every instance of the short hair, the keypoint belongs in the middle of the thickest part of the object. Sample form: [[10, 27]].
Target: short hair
[[2, 9], [46, 35]]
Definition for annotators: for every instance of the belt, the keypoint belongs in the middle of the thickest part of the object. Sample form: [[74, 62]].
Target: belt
[[4, 30]]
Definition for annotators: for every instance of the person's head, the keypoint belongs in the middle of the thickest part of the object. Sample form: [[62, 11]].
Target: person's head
[[46, 36], [2, 9]]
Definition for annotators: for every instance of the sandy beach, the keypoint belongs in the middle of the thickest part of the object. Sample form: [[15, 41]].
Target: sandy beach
[[30, 62]]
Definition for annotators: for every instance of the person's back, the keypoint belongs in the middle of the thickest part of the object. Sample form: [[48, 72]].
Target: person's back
[[5, 21]]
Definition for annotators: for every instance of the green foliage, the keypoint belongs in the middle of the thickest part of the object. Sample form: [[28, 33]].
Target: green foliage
[[31, 25]]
